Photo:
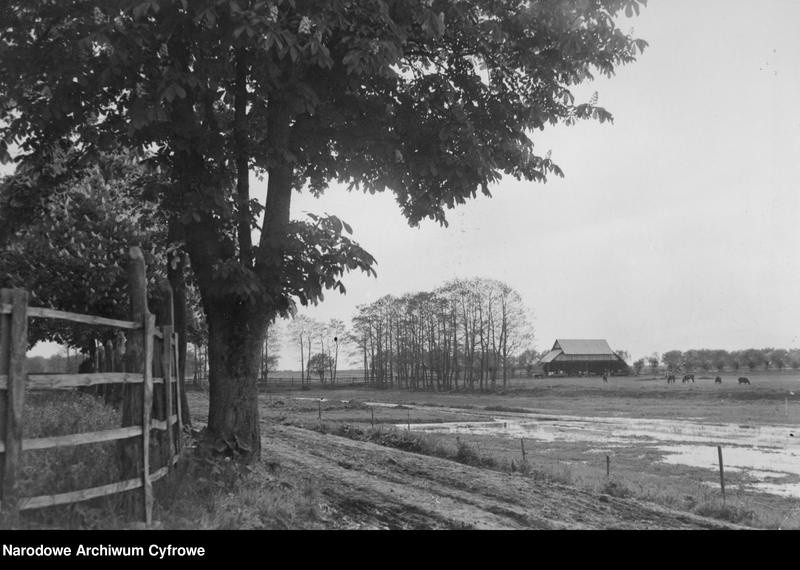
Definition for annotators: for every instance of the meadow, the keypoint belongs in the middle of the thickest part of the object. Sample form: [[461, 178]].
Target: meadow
[[633, 436]]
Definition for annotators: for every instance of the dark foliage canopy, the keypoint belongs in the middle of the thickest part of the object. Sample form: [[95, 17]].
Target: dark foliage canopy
[[433, 100]]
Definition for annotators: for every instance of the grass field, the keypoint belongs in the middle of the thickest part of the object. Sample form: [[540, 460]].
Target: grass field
[[631, 437], [634, 436]]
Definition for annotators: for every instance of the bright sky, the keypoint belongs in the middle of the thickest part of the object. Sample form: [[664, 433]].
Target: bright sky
[[676, 227]]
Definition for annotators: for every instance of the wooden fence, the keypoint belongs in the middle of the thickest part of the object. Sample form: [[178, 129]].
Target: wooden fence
[[289, 381], [159, 353]]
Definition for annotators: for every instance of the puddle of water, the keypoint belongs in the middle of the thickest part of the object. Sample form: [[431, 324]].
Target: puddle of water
[[754, 461], [385, 405], [763, 452], [759, 463], [321, 400], [790, 490]]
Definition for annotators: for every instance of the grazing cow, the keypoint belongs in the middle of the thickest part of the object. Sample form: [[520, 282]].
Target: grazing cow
[[671, 379], [687, 377], [605, 377], [744, 380], [717, 380]]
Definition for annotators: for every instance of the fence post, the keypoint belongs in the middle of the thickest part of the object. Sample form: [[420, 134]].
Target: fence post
[[180, 390], [167, 322], [14, 345], [134, 361], [721, 473], [5, 342], [166, 367], [147, 407]]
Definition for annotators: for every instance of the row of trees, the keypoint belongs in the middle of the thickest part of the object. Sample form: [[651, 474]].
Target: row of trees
[[319, 345], [720, 360], [463, 334]]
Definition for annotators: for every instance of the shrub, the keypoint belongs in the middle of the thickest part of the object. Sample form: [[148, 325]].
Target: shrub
[[616, 489], [725, 512]]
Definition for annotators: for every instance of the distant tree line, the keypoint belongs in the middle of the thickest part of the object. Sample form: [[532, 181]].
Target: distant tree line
[[319, 345], [63, 363], [719, 360], [465, 334]]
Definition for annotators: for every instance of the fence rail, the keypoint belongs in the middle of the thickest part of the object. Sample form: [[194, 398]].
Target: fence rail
[[159, 354], [292, 381]]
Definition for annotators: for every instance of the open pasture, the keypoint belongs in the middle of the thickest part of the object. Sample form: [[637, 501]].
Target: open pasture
[[632, 436]]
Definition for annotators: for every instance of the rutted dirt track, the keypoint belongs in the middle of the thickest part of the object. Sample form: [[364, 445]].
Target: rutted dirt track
[[370, 486]]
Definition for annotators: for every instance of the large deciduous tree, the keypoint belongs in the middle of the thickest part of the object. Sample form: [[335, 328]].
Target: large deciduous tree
[[433, 100]]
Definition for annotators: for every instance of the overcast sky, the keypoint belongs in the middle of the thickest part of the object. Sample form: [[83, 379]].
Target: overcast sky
[[675, 227]]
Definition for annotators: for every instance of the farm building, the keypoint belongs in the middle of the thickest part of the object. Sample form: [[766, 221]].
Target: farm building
[[581, 356]]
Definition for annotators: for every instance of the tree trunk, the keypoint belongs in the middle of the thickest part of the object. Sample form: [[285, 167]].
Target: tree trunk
[[236, 333]]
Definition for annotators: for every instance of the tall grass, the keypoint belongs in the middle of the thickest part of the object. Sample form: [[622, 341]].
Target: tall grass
[[202, 493], [64, 469], [215, 493]]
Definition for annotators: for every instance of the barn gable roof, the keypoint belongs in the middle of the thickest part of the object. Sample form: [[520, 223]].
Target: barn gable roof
[[583, 346], [549, 356]]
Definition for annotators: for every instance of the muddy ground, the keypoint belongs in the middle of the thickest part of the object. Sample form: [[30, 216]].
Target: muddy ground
[[369, 486]]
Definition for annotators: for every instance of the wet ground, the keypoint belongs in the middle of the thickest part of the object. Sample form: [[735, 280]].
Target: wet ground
[[364, 485], [769, 454]]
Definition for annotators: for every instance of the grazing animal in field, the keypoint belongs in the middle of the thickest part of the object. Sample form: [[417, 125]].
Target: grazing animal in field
[[744, 380], [717, 380], [605, 377], [671, 379], [687, 377]]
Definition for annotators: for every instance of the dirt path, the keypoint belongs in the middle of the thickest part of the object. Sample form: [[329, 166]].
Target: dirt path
[[370, 486]]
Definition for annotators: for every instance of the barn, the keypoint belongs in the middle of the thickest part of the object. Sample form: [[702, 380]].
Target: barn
[[573, 357]]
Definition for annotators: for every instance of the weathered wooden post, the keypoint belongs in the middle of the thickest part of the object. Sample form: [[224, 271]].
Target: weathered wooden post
[[109, 352], [96, 350], [721, 473], [182, 392], [13, 346], [608, 465], [522, 445], [167, 357], [5, 351], [134, 395], [147, 408], [166, 315], [372, 411]]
